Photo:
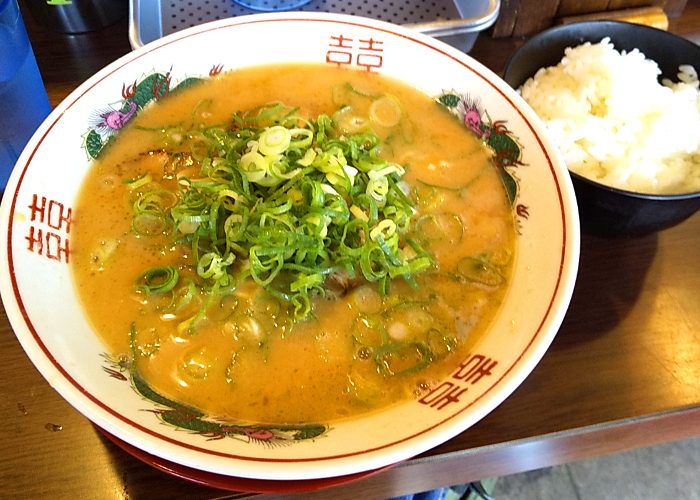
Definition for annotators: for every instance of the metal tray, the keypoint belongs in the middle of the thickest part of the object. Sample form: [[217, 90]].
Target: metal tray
[[457, 22]]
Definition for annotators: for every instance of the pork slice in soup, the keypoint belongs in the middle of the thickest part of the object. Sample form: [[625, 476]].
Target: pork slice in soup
[[274, 247]]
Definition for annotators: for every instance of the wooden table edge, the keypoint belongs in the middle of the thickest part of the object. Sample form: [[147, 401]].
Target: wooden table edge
[[521, 455]]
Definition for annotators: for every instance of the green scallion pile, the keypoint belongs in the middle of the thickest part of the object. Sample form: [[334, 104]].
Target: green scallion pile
[[284, 200]]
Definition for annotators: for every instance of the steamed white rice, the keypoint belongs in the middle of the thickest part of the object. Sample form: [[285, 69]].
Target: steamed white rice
[[615, 124]]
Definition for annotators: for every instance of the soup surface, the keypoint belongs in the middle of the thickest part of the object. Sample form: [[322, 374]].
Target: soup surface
[[202, 335]]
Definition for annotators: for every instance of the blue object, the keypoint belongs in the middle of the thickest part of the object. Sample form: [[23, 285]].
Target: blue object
[[23, 100], [271, 5], [437, 494]]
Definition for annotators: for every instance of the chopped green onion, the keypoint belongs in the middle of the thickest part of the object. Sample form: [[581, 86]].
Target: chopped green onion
[[399, 358], [274, 140], [480, 270], [285, 201], [158, 280], [138, 182], [385, 111]]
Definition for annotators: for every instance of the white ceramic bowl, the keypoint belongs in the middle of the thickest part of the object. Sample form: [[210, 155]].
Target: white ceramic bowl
[[38, 294]]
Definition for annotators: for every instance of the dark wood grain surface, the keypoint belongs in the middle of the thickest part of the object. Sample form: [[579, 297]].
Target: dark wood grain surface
[[623, 372], [523, 17]]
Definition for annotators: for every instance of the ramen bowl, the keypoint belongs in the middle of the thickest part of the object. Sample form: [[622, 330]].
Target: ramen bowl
[[614, 210], [39, 219]]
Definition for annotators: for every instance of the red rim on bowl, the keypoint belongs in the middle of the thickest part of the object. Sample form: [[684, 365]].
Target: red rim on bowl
[[233, 483]]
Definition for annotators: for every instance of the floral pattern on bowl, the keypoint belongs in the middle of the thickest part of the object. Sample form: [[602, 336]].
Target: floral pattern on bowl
[[193, 420]]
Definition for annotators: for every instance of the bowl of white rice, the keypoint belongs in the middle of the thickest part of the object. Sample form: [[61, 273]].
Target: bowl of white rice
[[622, 103]]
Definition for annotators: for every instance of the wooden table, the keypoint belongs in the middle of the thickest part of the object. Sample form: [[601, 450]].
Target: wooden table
[[623, 372]]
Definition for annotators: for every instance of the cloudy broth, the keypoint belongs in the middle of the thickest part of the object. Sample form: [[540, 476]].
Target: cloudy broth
[[358, 350]]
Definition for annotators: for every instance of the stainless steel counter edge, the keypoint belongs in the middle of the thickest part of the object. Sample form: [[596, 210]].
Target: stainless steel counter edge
[[144, 18]]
